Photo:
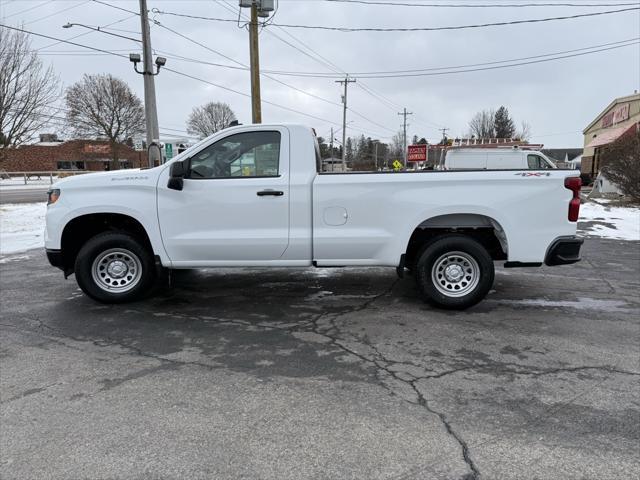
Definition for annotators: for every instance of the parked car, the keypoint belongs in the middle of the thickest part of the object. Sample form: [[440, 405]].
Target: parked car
[[255, 196], [496, 159]]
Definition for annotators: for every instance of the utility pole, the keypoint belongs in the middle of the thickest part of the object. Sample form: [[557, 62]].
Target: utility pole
[[331, 149], [254, 63], [404, 113], [346, 82], [150, 108], [259, 8], [376, 154], [444, 132]]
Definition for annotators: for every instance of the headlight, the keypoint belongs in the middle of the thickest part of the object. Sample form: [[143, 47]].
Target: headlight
[[53, 195]]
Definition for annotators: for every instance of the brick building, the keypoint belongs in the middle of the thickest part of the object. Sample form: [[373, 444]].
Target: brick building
[[49, 154]]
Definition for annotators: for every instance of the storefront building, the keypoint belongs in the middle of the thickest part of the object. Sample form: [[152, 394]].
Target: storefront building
[[620, 118], [91, 155]]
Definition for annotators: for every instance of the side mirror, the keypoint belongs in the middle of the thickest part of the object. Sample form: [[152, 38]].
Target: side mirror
[[177, 171]]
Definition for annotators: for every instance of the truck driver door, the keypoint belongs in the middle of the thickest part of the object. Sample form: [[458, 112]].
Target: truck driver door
[[234, 205]]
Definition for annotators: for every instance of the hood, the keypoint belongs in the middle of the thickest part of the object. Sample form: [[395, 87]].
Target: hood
[[113, 177]]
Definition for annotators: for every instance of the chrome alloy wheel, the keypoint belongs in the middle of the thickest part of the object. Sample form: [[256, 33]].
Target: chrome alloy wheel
[[455, 274], [116, 270]]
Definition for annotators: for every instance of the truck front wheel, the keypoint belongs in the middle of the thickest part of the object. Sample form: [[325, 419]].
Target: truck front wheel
[[454, 272], [114, 268]]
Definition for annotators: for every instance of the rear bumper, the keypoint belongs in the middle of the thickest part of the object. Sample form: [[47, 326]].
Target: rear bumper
[[564, 251], [55, 258]]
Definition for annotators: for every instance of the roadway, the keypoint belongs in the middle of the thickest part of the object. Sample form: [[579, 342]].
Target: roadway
[[23, 195], [323, 373]]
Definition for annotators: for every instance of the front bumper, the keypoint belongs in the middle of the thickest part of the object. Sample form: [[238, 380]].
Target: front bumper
[[564, 251]]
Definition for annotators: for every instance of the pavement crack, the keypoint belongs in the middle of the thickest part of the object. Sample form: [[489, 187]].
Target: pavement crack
[[466, 454]]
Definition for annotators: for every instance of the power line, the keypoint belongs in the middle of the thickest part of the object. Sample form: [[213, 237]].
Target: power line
[[28, 9], [168, 69], [57, 12], [316, 57], [246, 67], [496, 67], [453, 67], [479, 5], [319, 58], [116, 7], [60, 40], [230, 58], [85, 33], [375, 74], [409, 29]]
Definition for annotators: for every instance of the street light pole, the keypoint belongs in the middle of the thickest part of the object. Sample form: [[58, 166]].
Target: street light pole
[[150, 108]]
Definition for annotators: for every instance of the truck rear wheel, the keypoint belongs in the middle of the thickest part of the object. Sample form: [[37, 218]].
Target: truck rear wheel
[[454, 272], [114, 268]]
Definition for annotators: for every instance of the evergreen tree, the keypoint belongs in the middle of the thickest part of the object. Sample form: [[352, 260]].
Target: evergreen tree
[[349, 153], [503, 125]]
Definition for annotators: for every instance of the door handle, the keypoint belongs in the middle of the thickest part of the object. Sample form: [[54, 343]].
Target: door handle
[[274, 193]]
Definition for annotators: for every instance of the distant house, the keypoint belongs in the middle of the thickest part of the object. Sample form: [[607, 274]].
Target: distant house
[[332, 165], [563, 157]]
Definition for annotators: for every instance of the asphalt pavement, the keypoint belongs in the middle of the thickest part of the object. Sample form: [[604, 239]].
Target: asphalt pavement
[[23, 195], [323, 373]]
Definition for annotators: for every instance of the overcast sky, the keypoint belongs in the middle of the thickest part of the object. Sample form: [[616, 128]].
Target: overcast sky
[[557, 98]]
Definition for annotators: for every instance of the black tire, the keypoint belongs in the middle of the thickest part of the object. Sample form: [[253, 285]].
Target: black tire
[[111, 250], [462, 268]]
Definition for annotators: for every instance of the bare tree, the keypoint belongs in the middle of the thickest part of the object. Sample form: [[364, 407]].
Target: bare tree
[[482, 124], [619, 163], [102, 105], [27, 88], [524, 133], [209, 118], [396, 148]]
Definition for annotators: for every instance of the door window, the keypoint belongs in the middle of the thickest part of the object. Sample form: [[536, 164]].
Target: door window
[[250, 154], [535, 162]]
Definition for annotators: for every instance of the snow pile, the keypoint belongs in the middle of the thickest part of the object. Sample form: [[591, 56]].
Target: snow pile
[[619, 223], [21, 227]]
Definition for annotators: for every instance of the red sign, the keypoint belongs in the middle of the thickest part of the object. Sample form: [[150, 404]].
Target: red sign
[[618, 115], [417, 153], [97, 148]]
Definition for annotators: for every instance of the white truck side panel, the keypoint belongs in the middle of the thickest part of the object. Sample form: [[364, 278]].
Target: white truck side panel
[[381, 211]]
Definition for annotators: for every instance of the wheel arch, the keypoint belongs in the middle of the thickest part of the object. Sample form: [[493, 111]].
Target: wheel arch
[[81, 228], [485, 229]]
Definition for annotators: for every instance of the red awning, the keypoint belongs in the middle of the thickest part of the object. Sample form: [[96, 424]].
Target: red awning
[[609, 136]]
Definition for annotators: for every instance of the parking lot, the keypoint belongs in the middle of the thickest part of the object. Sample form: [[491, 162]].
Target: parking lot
[[324, 373]]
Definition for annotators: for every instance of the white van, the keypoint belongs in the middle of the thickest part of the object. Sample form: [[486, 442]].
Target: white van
[[495, 159]]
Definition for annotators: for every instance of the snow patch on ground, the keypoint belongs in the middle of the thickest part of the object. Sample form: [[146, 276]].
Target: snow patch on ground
[[21, 227], [618, 223]]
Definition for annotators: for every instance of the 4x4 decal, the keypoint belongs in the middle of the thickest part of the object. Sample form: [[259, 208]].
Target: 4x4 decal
[[533, 174]]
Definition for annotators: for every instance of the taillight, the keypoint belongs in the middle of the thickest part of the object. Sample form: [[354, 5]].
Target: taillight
[[574, 184]]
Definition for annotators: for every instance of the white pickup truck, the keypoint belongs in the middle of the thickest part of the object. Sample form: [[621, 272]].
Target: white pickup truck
[[254, 196]]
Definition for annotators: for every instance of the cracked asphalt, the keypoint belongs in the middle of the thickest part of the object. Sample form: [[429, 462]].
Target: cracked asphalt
[[324, 373]]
